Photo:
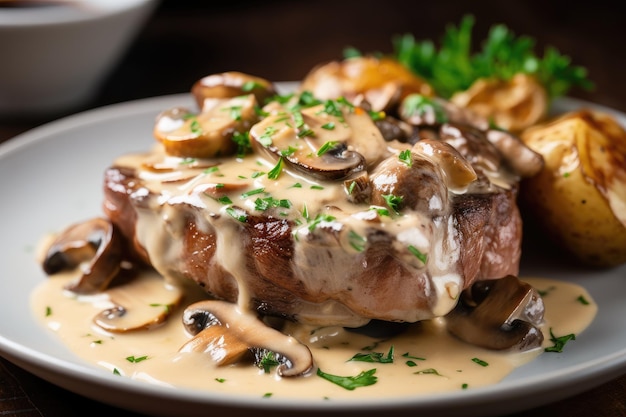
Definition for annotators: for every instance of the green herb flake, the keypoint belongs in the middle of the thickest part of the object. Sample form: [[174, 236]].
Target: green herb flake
[[374, 357], [211, 170], [266, 138], [250, 85], [409, 356], [418, 254], [480, 362], [296, 185], [393, 201], [267, 395], [320, 218], [242, 139], [116, 371], [328, 126], [225, 200], [136, 359], [166, 307], [582, 300], [357, 242], [350, 383], [406, 157], [327, 146], [317, 187], [429, 371], [268, 361], [253, 192], [464, 386], [559, 342], [48, 312], [187, 161], [220, 380], [237, 214], [275, 172], [195, 127]]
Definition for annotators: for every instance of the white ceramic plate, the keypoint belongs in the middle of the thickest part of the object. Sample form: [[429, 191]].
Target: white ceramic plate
[[51, 177]]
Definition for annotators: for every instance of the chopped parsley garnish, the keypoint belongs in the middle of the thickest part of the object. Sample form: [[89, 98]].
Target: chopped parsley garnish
[[195, 127], [48, 311], [429, 371], [267, 395], [266, 138], [251, 85], [406, 158], [274, 173], [237, 214], [319, 219], [409, 356], [235, 112], [374, 357], [393, 201], [421, 105], [116, 371], [357, 241], [135, 359], [480, 362], [220, 380], [418, 254], [253, 192], [166, 307], [582, 300], [363, 379], [211, 170], [327, 146], [242, 139], [559, 342], [328, 126], [262, 204], [268, 361]]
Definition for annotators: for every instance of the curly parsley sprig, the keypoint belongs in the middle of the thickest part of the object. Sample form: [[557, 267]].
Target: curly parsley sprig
[[454, 66]]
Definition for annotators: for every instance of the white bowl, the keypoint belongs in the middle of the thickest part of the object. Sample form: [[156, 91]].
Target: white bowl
[[55, 57]]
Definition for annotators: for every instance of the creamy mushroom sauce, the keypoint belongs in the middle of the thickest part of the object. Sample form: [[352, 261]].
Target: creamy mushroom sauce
[[426, 358]]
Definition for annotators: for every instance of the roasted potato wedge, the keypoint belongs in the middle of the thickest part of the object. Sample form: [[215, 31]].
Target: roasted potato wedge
[[579, 198]]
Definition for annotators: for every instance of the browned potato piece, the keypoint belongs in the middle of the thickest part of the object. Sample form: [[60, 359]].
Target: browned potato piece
[[514, 104], [579, 198], [383, 82]]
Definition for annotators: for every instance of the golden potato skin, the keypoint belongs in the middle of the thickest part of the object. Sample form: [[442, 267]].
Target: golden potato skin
[[567, 201]]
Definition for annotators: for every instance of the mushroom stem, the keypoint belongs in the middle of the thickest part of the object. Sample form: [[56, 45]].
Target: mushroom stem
[[231, 327]]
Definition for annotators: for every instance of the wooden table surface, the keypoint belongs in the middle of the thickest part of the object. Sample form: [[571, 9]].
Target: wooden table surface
[[281, 40]]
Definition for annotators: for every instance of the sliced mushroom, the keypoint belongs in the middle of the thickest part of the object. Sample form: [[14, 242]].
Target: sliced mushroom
[[221, 329], [415, 183], [228, 85], [96, 246], [358, 188], [523, 160], [419, 110], [458, 172], [318, 144], [498, 314], [209, 133], [143, 303], [383, 82]]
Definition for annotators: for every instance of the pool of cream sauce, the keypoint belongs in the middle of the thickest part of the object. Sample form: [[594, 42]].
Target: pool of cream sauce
[[426, 358]]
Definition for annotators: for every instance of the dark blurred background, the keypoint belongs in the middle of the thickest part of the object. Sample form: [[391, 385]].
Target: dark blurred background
[[283, 39]]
